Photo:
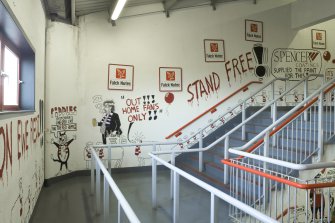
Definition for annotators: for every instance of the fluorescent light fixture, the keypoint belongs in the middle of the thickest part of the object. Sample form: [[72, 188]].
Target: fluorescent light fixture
[[118, 8]]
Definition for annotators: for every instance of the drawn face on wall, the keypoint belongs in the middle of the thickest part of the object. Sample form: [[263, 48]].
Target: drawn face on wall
[[109, 106], [62, 138]]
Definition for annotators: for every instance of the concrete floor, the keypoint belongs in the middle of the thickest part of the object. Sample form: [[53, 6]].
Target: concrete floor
[[69, 201]]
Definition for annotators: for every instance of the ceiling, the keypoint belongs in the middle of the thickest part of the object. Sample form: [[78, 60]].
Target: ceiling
[[68, 11]]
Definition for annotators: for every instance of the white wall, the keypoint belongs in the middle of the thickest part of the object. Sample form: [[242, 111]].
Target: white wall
[[149, 42], [308, 12], [23, 169]]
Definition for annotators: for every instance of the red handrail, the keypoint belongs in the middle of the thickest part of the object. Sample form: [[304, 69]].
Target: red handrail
[[212, 109], [298, 112], [279, 179]]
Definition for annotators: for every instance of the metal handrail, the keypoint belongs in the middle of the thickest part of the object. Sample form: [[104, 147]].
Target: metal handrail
[[238, 105], [241, 124], [279, 179], [298, 109], [213, 191], [212, 108], [112, 185], [211, 145], [293, 166]]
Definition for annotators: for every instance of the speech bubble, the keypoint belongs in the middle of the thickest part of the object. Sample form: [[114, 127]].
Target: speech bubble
[[295, 64]]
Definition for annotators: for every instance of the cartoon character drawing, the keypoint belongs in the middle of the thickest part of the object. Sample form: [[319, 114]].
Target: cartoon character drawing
[[117, 153], [110, 123], [63, 151]]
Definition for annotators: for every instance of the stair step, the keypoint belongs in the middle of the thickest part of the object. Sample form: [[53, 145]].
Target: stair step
[[292, 144], [202, 176]]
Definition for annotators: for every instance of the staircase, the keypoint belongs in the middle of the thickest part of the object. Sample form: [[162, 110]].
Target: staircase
[[294, 139], [213, 172]]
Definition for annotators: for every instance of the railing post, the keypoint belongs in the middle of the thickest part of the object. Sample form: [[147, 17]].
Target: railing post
[[243, 120], [97, 187], [274, 119], [92, 172], [320, 126], [213, 208], [305, 96], [106, 200], [109, 152], [154, 183], [201, 153], [273, 107], [171, 174], [266, 147], [265, 166], [273, 90], [119, 210], [226, 156], [176, 197]]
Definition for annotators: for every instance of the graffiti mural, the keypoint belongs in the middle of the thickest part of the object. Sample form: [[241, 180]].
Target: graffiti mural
[[295, 64], [41, 110], [239, 66], [117, 155], [318, 200], [63, 151], [27, 132], [141, 108], [64, 124], [203, 88], [110, 124], [261, 57]]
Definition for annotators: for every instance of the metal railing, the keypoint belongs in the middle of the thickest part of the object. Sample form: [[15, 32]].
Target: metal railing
[[108, 184], [300, 133], [214, 193], [214, 108], [279, 152], [272, 104], [222, 119], [282, 197], [225, 137]]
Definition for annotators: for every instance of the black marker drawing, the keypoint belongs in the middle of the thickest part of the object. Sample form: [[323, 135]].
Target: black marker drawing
[[63, 151]]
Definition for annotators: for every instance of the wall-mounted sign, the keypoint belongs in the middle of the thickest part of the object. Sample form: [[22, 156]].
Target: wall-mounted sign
[[120, 77], [170, 79], [214, 50], [295, 64], [318, 39], [253, 31]]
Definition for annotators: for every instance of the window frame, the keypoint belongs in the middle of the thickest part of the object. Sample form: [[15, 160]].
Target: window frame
[[4, 42]]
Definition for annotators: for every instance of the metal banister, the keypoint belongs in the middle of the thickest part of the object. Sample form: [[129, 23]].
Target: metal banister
[[241, 124], [213, 107], [238, 105], [213, 191], [298, 109], [279, 179], [293, 166], [112, 185]]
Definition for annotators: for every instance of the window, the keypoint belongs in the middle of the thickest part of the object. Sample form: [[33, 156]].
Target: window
[[17, 66], [10, 77]]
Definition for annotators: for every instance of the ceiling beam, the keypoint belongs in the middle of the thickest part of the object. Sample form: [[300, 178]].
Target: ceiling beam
[[73, 12], [88, 11], [94, 3], [83, 8], [168, 5], [213, 4]]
